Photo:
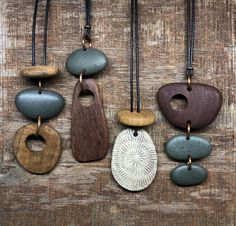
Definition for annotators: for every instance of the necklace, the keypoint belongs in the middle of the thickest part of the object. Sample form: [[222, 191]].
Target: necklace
[[90, 136], [203, 105], [38, 104], [134, 158]]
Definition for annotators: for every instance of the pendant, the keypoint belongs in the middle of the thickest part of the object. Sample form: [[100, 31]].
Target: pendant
[[38, 104], [37, 162], [90, 135], [203, 105], [134, 160]]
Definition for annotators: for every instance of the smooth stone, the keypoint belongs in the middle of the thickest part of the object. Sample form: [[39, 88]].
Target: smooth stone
[[91, 59], [203, 104], [142, 118], [179, 148], [39, 72], [183, 176], [31, 103]]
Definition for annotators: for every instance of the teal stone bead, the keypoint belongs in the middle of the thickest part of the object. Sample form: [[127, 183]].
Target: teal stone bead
[[90, 59], [179, 148], [32, 103], [183, 176]]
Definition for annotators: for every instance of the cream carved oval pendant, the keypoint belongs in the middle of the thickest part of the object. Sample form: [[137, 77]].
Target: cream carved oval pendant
[[134, 160]]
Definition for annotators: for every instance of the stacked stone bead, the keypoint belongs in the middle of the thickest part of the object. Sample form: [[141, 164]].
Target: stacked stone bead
[[203, 105], [181, 148], [34, 102], [38, 104], [91, 141]]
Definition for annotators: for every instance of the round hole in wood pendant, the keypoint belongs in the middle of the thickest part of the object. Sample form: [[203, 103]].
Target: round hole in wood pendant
[[86, 98], [35, 143], [39, 162], [179, 102]]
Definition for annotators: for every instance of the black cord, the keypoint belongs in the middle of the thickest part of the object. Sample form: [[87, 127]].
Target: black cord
[[131, 56], [45, 36], [190, 36], [87, 27], [134, 25], [45, 32], [33, 31]]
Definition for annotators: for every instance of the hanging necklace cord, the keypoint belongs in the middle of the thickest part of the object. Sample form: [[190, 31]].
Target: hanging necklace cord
[[87, 27], [45, 32], [190, 37], [134, 28]]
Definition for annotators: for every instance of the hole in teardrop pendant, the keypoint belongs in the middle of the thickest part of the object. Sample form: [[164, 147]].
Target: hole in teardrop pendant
[[86, 98]]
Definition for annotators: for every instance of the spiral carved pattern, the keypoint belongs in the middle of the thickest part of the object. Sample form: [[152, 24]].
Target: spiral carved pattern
[[134, 160]]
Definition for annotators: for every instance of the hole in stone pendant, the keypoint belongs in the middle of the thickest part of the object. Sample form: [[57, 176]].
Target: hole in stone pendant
[[178, 102], [135, 133], [189, 88], [86, 98], [35, 143]]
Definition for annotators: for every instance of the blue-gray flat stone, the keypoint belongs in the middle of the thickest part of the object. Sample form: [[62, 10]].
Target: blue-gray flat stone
[[179, 148], [91, 59], [31, 103], [182, 176]]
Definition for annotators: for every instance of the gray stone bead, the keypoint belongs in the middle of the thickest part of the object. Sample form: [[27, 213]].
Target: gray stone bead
[[179, 148], [46, 104], [91, 59], [183, 176]]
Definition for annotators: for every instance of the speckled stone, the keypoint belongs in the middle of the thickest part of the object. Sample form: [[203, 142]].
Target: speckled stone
[[183, 176], [179, 148], [91, 59], [31, 103]]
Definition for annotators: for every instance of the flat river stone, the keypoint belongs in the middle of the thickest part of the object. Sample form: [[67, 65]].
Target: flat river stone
[[183, 176], [91, 59], [46, 104], [179, 148]]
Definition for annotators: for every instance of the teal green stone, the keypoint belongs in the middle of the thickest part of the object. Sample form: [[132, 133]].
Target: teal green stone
[[179, 148], [183, 176], [46, 104], [90, 59]]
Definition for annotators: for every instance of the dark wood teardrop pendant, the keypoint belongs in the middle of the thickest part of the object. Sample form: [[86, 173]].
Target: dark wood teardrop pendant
[[90, 136]]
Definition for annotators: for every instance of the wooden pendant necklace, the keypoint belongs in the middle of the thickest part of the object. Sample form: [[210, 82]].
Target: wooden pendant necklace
[[134, 158], [38, 104], [90, 136], [203, 105]]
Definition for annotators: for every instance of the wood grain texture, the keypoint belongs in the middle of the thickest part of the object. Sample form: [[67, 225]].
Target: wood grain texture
[[40, 162], [86, 194], [203, 104], [89, 132], [39, 72], [139, 119]]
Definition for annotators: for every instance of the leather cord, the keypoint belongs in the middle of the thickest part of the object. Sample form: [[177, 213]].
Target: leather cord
[[33, 31], [134, 28], [45, 36], [190, 36], [45, 32], [87, 27]]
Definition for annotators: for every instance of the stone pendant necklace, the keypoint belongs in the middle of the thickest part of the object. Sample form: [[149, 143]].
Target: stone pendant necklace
[[90, 140], [203, 105], [134, 158], [38, 104]]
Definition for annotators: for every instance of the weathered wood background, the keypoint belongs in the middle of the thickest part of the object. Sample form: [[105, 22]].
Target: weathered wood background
[[86, 194]]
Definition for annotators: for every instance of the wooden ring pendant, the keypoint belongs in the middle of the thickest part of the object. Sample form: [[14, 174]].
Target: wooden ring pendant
[[37, 162]]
